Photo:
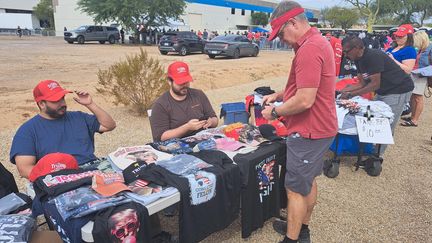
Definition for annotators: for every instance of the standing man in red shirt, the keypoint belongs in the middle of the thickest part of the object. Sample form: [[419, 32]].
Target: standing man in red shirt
[[309, 111], [336, 44]]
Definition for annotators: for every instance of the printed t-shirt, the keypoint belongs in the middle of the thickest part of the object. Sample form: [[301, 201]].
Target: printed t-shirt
[[168, 113], [405, 53], [72, 134], [393, 79], [313, 67]]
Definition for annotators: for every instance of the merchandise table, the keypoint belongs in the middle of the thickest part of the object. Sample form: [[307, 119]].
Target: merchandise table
[[260, 192]]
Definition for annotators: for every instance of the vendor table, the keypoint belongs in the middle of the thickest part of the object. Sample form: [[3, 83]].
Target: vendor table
[[260, 192]]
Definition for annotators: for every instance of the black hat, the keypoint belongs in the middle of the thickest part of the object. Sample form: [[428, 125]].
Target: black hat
[[268, 131], [132, 172]]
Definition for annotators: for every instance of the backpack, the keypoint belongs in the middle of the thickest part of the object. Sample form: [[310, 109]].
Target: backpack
[[7, 182]]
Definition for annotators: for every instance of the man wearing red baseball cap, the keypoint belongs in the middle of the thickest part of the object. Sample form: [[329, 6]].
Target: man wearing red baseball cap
[[55, 129], [181, 111], [309, 111]]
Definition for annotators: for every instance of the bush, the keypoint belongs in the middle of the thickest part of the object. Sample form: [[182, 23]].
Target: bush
[[135, 82]]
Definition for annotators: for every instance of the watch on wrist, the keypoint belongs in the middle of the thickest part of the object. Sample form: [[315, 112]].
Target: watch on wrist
[[274, 114]]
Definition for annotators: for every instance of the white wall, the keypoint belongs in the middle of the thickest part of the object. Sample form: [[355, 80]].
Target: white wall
[[66, 15], [18, 4], [215, 18], [13, 20]]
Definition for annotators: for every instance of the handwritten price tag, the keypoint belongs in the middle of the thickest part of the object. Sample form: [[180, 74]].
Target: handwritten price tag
[[376, 130]]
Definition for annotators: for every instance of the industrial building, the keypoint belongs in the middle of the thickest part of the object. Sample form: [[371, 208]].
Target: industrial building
[[14, 13]]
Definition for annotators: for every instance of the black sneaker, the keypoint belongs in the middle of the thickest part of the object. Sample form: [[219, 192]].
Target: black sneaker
[[280, 226]]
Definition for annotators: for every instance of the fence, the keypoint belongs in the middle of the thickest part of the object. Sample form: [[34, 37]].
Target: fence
[[27, 32]]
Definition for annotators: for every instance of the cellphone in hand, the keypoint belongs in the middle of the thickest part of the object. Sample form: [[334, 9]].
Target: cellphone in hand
[[203, 118]]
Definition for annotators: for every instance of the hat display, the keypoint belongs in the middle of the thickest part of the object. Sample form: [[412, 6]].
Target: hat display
[[403, 30], [51, 163], [179, 72], [49, 90], [108, 184], [251, 135]]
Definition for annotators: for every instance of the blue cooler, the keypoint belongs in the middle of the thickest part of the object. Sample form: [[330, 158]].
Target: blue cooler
[[234, 112]]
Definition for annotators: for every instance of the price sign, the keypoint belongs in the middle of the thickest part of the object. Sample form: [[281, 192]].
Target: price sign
[[375, 130]]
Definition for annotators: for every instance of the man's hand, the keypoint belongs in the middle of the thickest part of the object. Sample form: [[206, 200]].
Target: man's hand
[[83, 98], [345, 96], [266, 113], [195, 124], [269, 99], [208, 123]]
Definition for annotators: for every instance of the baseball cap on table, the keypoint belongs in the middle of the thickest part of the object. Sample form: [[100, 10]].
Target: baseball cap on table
[[403, 30], [268, 131], [51, 163], [108, 184], [49, 90], [278, 22], [179, 72]]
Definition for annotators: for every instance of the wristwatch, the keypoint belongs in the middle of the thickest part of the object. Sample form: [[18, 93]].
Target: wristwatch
[[274, 114]]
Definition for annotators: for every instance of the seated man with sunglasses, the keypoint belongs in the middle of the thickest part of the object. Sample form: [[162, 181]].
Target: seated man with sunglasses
[[378, 73]]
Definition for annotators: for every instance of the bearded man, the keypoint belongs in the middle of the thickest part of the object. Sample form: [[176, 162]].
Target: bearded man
[[55, 129], [181, 111]]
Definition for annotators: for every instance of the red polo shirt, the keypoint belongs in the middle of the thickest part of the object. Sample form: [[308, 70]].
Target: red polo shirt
[[313, 67]]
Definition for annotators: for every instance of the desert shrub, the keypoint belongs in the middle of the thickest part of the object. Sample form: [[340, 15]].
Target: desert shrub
[[135, 82]]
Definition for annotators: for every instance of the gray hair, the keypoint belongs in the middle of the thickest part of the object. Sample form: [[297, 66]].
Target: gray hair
[[286, 6]]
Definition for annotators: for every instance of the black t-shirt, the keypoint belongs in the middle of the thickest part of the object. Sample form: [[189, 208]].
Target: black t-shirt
[[260, 185], [393, 79], [196, 222]]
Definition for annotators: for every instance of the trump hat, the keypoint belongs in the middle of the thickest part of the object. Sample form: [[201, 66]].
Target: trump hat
[[51, 163], [403, 30], [179, 72], [49, 90]]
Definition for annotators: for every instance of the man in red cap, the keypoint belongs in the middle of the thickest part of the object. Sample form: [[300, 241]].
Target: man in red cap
[[181, 111], [55, 129], [309, 111]]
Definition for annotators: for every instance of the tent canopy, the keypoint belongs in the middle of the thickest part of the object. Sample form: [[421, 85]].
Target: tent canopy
[[259, 29]]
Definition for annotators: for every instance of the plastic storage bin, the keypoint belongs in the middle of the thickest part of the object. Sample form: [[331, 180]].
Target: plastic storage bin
[[234, 112]]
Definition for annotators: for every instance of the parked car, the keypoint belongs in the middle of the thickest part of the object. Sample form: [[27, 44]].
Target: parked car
[[182, 42], [92, 33], [234, 46]]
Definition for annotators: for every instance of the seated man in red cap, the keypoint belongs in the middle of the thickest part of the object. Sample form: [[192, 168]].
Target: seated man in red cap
[[55, 129], [182, 111]]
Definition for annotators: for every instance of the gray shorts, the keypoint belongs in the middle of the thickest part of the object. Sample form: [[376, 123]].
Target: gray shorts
[[305, 160]]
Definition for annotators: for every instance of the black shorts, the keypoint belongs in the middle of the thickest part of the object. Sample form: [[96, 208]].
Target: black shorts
[[305, 160]]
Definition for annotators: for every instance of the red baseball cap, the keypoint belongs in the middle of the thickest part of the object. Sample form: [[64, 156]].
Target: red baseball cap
[[179, 72], [403, 30], [51, 163], [108, 184], [278, 22], [49, 90]]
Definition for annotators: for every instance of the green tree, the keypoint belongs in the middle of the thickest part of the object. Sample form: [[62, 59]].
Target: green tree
[[259, 19], [44, 12], [406, 11], [343, 17], [129, 13], [368, 9]]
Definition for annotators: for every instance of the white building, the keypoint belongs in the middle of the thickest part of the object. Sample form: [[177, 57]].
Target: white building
[[220, 15], [14, 13]]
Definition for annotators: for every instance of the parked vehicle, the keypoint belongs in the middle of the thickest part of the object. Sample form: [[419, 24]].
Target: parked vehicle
[[234, 46], [92, 33], [182, 42]]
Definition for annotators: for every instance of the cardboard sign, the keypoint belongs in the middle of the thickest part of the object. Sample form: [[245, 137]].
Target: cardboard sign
[[374, 130]]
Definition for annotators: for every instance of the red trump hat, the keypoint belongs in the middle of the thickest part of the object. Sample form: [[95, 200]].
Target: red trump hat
[[51, 163], [179, 72], [49, 90]]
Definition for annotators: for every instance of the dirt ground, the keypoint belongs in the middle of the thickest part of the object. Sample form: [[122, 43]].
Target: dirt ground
[[394, 207]]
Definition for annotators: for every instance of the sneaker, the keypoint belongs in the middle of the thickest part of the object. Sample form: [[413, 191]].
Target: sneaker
[[280, 226]]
